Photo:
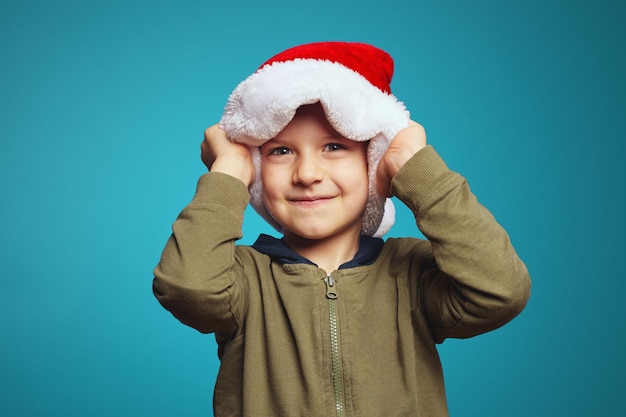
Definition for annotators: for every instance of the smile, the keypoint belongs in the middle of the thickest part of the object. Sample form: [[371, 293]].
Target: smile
[[310, 201]]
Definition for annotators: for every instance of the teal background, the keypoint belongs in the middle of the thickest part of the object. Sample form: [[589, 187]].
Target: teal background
[[103, 106]]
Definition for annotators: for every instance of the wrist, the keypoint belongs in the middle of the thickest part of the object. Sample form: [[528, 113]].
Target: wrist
[[399, 158], [235, 168]]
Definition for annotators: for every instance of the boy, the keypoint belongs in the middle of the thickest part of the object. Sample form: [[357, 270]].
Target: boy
[[330, 319]]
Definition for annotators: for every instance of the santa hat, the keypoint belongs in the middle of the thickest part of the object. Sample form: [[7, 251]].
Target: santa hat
[[352, 83]]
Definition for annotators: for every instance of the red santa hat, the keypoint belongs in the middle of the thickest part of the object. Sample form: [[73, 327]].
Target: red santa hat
[[352, 83]]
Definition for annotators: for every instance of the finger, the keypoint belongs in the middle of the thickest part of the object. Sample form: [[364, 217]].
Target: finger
[[210, 146], [382, 180]]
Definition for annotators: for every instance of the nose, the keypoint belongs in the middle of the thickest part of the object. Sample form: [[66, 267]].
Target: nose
[[308, 170]]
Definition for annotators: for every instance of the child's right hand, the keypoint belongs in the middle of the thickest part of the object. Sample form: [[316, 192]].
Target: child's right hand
[[221, 155]]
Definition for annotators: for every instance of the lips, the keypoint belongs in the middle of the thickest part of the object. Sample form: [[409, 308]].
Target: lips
[[310, 200]]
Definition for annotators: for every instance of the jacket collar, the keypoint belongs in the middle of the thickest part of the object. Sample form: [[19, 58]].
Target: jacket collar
[[369, 249]]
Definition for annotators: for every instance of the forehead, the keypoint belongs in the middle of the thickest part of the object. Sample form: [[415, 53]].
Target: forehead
[[309, 123]]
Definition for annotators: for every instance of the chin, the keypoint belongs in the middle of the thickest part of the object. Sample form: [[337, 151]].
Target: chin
[[307, 235], [320, 233]]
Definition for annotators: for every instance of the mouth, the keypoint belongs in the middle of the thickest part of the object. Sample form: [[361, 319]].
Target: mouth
[[310, 201]]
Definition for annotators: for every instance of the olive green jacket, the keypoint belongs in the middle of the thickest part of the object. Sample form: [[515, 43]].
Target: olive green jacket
[[362, 342]]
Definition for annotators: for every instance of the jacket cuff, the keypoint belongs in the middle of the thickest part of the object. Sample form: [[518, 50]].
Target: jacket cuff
[[421, 178], [216, 188]]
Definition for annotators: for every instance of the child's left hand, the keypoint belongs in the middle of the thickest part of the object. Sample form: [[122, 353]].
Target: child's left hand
[[403, 146]]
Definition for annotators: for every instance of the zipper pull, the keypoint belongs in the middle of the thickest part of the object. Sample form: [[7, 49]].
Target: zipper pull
[[331, 291]]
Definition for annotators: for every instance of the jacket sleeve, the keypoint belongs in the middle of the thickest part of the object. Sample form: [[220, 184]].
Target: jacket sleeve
[[475, 281], [197, 277]]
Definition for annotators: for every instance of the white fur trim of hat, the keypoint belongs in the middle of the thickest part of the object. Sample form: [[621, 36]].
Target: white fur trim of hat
[[351, 81]]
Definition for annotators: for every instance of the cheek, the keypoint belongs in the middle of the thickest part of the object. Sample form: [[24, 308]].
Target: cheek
[[271, 182], [364, 193], [356, 183], [364, 183]]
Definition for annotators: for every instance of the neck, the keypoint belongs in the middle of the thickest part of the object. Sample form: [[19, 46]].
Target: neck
[[328, 253]]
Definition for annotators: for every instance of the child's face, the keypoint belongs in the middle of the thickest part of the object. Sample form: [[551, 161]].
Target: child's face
[[314, 180]]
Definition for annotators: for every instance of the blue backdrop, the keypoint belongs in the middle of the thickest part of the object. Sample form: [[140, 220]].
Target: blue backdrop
[[103, 106]]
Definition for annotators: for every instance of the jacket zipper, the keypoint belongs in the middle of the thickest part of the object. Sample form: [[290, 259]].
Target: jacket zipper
[[336, 372]]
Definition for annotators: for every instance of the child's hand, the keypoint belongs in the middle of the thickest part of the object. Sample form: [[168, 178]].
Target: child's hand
[[403, 146], [221, 155]]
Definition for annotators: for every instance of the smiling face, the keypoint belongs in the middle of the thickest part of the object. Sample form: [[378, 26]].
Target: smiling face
[[315, 181]]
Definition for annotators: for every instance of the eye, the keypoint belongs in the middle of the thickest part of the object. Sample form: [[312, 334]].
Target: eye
[[335, 147], [279, 150]]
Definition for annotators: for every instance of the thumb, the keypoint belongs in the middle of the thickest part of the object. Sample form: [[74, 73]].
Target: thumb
[[383, 180]]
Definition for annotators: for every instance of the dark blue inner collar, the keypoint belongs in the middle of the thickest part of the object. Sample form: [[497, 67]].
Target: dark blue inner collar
[[277, 249]]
